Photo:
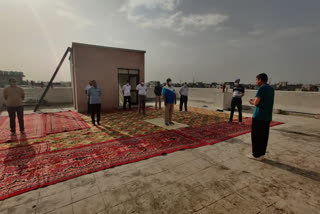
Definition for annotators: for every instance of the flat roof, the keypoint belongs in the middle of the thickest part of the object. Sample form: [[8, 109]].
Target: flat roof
[[100, 46]]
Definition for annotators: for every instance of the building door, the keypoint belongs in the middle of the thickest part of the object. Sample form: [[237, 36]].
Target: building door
[[125, 74]]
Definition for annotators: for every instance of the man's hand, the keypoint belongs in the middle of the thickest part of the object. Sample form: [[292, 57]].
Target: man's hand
[[251, 101], [255, 101]]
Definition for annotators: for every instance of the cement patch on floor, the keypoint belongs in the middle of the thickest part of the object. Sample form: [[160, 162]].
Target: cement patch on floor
[[160, 122]]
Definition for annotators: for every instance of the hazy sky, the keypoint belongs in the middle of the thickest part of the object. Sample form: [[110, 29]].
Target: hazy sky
[[208, 40]]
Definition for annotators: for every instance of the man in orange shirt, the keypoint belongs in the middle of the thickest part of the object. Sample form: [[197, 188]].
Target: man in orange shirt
[[14, 97]]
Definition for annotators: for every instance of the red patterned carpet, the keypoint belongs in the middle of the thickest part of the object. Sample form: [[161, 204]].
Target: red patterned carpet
[[30, 166], [23, 152], [39, 125], [33, 124], [63, 122], [218, 132], [31, 172]]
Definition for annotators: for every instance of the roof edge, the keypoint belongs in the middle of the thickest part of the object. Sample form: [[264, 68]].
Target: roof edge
[[100, 46]]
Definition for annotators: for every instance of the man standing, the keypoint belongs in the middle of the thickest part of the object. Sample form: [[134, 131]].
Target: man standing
[[126, 89], [238, 93], [157, 92], [86, 91], [169, 98], [14, 97], [261, 118], [94, 94], [142, 92], [184, 91]]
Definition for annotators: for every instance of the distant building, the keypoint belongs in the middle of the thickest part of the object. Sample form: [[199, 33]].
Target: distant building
[[6, 75], [309, 87]]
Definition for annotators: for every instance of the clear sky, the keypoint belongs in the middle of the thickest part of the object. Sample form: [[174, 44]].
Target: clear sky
[[205, 40]]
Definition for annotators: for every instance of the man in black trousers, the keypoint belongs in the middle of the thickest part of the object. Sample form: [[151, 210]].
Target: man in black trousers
[[262, 116], [94, 94], [238, 93]]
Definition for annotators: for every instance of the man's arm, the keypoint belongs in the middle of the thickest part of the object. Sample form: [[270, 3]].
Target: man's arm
[[5, 94], [164, 96], [22, 94], [175, 98], [255, 101]]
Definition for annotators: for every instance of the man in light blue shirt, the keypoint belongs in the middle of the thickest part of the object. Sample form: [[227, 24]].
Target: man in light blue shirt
[[94, 94]]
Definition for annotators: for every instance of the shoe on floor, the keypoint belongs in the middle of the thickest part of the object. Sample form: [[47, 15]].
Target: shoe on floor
[[254, 158], [23, 132], [171, 123], [167, 124], [12, 133], [99, 123]]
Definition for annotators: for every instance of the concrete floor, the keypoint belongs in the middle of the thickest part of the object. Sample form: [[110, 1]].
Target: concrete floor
[[210, 179]]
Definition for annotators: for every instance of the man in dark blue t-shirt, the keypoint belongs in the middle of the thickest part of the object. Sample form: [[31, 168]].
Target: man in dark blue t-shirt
[[261, 118]]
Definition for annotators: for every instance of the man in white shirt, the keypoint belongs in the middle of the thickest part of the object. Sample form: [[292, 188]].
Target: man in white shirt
[[142, 92], [126, 90], [86, 91], [184, 92]]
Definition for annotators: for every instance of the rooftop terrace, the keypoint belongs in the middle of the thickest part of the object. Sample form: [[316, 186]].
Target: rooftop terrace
[[215, 178]]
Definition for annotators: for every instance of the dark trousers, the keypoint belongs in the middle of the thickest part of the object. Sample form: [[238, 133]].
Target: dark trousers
[[89, 111], [125, 100], [95, 108], [12, 115], [184, 100], [142, 104], [236, 102], [259, 137]]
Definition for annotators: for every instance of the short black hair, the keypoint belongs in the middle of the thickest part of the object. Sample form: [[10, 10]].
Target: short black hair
[[11, 79], [263, 77], [128, 81], [168, 80]]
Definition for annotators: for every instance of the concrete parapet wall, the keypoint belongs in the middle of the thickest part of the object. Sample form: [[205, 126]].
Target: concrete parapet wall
[[296, 101], [304, 102], [54, 95]]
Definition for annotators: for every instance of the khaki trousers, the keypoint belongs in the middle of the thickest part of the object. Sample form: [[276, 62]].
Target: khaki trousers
[[158, 100], [168, 113]]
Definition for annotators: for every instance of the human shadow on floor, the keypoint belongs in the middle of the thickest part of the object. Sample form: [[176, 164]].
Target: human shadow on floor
[[305, 173], [19, 157], [297, 133]]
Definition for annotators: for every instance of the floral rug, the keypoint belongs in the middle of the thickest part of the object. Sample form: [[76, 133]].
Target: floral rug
[[122, 137], [221, 131], [31, 172], [65, 121], [33, 125]]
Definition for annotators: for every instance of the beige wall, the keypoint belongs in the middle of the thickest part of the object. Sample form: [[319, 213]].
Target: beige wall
[[101, 64], [53, 96], [296, 101]]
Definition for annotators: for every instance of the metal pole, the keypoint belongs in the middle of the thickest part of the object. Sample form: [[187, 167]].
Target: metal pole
[[52, 78]]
